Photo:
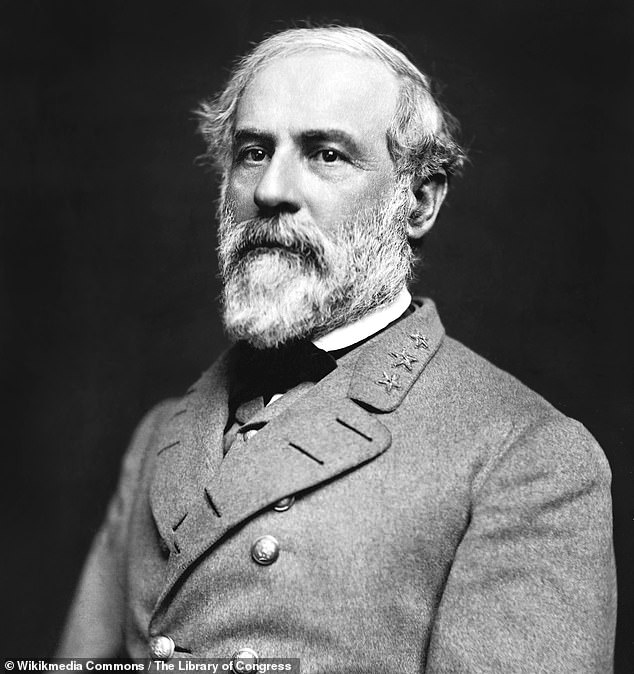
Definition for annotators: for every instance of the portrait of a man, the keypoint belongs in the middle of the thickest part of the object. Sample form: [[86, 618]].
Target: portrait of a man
[[346, 483], [469, 513]]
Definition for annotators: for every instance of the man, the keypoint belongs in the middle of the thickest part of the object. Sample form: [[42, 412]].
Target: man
[[347, 485]]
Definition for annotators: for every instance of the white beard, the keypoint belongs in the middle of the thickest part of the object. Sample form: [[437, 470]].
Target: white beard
[[295, 281]]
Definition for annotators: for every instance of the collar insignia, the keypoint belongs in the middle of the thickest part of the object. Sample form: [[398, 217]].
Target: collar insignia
[[420, 341], [390, 381], [403, 359], [399, 354]]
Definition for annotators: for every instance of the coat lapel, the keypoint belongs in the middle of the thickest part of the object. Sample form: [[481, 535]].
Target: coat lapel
[[320, 436], [316, 433], [189, 448]]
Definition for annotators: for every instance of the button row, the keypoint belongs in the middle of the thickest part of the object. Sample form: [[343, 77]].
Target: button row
[[162, 648], [264, 550]]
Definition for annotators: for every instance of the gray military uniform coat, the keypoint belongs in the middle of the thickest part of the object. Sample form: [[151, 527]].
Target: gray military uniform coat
[[446, 519]]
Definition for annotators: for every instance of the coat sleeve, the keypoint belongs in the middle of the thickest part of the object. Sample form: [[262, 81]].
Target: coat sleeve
[[533, 585], [94, 626]]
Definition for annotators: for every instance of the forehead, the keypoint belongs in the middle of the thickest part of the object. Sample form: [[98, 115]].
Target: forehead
[[321, 89]]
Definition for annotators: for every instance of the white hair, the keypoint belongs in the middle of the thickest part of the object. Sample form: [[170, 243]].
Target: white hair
[[420, 137]]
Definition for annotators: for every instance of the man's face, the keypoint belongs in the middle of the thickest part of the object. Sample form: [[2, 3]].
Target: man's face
[[313, 228]]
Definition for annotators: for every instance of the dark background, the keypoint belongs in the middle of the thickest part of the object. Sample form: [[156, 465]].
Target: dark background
[[109, 288]]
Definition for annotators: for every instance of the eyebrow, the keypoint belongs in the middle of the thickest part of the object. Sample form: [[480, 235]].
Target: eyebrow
[[305, 137], [244, 135], [336, 135]]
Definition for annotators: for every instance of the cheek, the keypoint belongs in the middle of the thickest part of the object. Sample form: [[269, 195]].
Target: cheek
[[240, 196], [349, 203]]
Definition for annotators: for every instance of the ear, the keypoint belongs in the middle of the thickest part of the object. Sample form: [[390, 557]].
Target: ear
[[426, 198]]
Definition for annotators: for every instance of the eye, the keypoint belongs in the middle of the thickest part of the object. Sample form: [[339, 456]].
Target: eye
[[329, 156], [253, 155]]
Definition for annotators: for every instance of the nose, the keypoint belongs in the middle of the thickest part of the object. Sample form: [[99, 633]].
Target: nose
[[278, 189]]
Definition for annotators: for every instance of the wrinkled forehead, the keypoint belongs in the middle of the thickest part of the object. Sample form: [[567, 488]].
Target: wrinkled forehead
[[320, 89]]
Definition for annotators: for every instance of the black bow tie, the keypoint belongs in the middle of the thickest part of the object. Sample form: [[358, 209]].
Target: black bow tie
[[264, 372]]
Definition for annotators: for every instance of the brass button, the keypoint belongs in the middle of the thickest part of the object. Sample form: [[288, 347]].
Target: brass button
[[161, 648], [284, 504], [265, 550], [244, 659]]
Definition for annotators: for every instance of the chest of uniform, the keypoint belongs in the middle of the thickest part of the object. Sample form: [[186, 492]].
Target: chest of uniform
[[374, 541]]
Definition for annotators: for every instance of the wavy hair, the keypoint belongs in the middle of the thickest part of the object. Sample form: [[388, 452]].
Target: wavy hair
[[421, 136]]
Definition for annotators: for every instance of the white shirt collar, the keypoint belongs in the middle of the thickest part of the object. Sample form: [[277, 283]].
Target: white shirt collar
[[371, 323]]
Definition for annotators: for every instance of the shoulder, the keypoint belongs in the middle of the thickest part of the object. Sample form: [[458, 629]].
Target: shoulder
[[152, 421], [210, 386], [469, 381], [477, 403], [141, 442], [472, 386]]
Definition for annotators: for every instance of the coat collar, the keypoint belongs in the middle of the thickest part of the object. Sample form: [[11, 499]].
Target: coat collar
[[315, 434], [389, 364]]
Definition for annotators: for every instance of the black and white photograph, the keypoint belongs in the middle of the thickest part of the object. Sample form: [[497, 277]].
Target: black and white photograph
[[316, 346]]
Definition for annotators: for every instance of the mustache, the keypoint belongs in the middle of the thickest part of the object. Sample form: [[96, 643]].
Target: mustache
[[284, 231]]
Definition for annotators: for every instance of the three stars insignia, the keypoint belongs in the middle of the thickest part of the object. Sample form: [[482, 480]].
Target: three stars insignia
[[403, 359]]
